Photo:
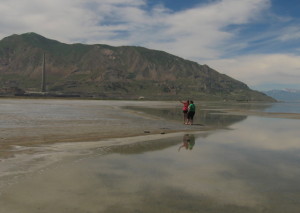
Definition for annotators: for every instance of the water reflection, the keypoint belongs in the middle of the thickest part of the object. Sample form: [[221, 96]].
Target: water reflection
[[188, 142], [144, 146], [254, 167], [252, 106], [287, 107], [203, 116]]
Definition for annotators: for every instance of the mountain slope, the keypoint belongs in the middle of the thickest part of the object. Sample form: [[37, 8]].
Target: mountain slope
[[113, 72], [288, 95]]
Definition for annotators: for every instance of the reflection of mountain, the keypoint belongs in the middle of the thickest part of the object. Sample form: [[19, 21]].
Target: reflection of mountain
[[146, 146], [211, 116], [203, 117], [219, 119]]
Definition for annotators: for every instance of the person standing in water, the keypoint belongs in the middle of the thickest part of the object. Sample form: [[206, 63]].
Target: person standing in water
[[185, 110], [191, 113]]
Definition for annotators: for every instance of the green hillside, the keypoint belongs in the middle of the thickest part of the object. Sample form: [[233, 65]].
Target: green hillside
[[125, 72]]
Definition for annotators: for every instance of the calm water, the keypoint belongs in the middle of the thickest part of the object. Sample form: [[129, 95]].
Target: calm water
[[251, 166], [287, 107]]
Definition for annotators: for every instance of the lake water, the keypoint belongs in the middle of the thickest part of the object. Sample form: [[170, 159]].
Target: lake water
[[285, 107], [250, 165]]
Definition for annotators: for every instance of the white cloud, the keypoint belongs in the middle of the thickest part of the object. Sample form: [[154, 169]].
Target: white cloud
[[261, 69], [197, 33], [68, 21], [290, 33], [190, 33]]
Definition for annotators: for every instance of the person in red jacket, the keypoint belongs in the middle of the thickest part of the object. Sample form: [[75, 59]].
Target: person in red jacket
[[185, 110]]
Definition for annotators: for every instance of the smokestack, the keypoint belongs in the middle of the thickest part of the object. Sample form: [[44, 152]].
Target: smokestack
[[44, 74]]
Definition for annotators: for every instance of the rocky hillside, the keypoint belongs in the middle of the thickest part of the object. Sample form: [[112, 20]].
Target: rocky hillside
[[104, 71]]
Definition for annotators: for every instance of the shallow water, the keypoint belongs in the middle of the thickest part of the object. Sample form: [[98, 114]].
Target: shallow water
[[285, 107], [251, 166], [35, 121], [208, 116]]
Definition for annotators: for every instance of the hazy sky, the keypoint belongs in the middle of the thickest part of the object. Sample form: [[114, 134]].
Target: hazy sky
[[255, 41]]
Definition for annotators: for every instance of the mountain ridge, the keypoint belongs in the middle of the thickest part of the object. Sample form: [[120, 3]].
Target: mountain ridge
[[286, 95], [113, 72]]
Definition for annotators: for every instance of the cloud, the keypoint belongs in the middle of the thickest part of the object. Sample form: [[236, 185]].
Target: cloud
[[200, 33], [53, 18], [268, 138], [261, 69], [68, 21], [290, 33], [189, 33]]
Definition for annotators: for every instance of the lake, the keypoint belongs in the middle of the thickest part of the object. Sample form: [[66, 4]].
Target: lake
[[244, 164]]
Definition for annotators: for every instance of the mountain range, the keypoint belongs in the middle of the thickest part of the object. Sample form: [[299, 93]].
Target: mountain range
[[286, 95], [103, 71]]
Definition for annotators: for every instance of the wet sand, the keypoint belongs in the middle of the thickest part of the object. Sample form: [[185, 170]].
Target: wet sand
[[57, 146], [30, 122], [36, 134], [36, 122]]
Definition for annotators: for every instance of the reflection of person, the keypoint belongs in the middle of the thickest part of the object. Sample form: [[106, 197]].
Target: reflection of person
[[185, 110], [191, 142], [191, 113], [188, 142]]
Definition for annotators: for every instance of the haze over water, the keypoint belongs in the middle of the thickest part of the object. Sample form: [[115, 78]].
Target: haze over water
[[247, 164]]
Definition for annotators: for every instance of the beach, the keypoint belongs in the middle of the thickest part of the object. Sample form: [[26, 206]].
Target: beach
[[34, 122], [56, 120], [35, 129], [104, 156]]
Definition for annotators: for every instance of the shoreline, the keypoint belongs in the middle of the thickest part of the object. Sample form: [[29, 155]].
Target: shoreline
[[30, 160], [122, 148], [46, 143], [116, 121], [103, 122]]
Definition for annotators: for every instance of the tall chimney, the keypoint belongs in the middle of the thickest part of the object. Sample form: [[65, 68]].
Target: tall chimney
[[44, 74]]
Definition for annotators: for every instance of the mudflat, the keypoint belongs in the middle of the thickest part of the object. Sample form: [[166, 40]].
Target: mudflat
[[27, 122], [100, 156]]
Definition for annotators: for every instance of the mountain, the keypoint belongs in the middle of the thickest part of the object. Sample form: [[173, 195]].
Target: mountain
[[104, 71], [287, 95]]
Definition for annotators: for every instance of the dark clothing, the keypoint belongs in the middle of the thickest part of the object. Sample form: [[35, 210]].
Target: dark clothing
[[190, 115]]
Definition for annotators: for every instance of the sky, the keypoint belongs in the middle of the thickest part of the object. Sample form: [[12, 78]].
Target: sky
[[254, 41]]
